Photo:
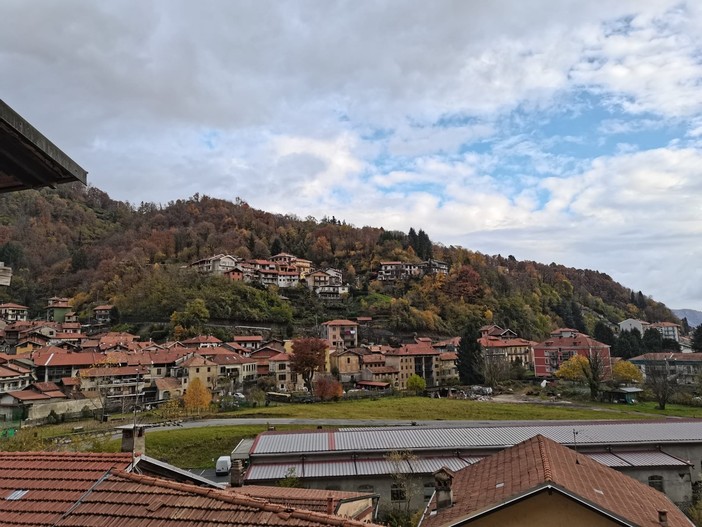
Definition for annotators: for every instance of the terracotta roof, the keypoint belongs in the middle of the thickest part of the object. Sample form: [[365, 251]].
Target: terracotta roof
[[7, 372], [248, 338], [135, 500], [694, 357], [280, 357], [311, 499], [167, 383], [422, 348], [539, 464], [54, 482], [230, 358], [202, 339], [10, 305], [340, 322], [449, 355], [29, 395], [196, 361], [46, 387], [379, 370], [70, 381], [105, 307]]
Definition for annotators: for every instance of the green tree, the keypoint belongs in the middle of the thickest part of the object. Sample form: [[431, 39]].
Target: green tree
[[660, 382], [652, 340], [603, 333], [470, 357], [308, 357], [290, 480], [192, 319], [696, 343], [197, 397], [416, 384]]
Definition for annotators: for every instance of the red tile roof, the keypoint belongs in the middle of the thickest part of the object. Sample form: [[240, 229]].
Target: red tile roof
[[311, 499], [340, 323], [421, 348], [134, 500], [54, 482], [203, 339], [539, 464]]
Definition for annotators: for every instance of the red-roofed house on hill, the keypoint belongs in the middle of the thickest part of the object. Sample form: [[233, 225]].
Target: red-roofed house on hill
[[57, 308], [341, 333], [419, 358], [541, 483], [565, 343], [101, 313]]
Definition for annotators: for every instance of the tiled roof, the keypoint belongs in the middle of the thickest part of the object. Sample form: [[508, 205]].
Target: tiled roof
[[223, 359], [196, 361], [10, 305], [379, 370], [421, 348], [691, 357], [135, 500], [310, 499], [541, 464], [449, 355], [54, 481], [280, 357], [340, 323], [248, 338], [202, 339], [167, 383]]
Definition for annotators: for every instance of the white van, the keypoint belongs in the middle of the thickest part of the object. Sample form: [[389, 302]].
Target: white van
[[223, 466]]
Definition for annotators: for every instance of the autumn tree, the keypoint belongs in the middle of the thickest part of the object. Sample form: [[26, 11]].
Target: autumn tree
[[624, 372], [590, 370], [416, 384], [308, 357], [197, 397], [328, 388]]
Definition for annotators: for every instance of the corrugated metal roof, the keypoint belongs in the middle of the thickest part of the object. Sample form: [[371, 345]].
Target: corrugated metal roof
[[650, 458], [419, 438], [606, 458]]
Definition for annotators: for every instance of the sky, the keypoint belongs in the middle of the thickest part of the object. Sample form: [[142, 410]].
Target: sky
[[567, 132]]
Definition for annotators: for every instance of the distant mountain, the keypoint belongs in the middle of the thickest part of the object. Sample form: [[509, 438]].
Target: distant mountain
[[694, 318], [77, 242]]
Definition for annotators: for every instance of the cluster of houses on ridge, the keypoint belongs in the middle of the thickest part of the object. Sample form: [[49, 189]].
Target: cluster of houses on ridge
[[286, 270]]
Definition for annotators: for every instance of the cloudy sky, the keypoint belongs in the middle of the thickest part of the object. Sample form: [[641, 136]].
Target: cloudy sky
[[566, 132]]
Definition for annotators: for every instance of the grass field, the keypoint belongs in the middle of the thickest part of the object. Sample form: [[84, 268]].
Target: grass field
[[424, 408]]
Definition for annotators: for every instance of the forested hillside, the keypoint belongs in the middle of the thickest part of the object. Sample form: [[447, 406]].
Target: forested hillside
[[77, 242]]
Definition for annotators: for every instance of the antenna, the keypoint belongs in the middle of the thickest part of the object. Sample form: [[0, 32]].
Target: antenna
[[575, 442]]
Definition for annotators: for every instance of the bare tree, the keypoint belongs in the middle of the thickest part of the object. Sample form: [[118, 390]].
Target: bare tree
[[661, 382], [495, 368]]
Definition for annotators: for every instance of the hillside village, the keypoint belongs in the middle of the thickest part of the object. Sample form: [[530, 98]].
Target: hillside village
[[58, 364]]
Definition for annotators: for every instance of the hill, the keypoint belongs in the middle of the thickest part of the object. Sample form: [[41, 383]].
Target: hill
[[694, 318], [77, 242]]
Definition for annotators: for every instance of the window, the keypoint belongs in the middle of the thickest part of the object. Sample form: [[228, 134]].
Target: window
[[428, 491], [398, 492], [158, 371], [656, 482], [197, 370]]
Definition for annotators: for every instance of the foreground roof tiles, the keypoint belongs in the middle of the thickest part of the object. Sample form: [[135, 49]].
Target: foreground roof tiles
[[133, 500], [539, 464]]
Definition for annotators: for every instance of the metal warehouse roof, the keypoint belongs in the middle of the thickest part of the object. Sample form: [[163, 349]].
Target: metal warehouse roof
[[429, 465], [420, 438]]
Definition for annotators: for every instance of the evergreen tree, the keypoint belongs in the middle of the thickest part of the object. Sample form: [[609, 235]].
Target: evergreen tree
[[652, 340], [470, 357], [697, 339], [276, 246], [412, 240], [604, 334], [424, 247]]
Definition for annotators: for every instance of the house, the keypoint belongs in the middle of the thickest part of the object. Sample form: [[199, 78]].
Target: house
[[684, 367], [280, 368], [36, 402], [347, 363], [631, 323], [419, 358], [432, 266], [233, 368], [511, 349], [250, 342], [118, 387], [542, 483], [196, 367], [565, 343], [372, 376], [217, 264], [10, 313], [14, 374], [447, 373], [57, 308], [101, 313], [392, 270], [668, 330], [341, 333]]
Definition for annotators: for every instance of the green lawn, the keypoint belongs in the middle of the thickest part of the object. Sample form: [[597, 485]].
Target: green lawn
[[424, 408]]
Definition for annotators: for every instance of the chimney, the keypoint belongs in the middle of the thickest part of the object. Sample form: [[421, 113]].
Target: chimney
[[443, 480], [236, 473], [330, 505], [133, 438], [663, 518]]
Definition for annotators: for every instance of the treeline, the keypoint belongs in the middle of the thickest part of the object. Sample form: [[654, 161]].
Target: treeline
[[77, 242]]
